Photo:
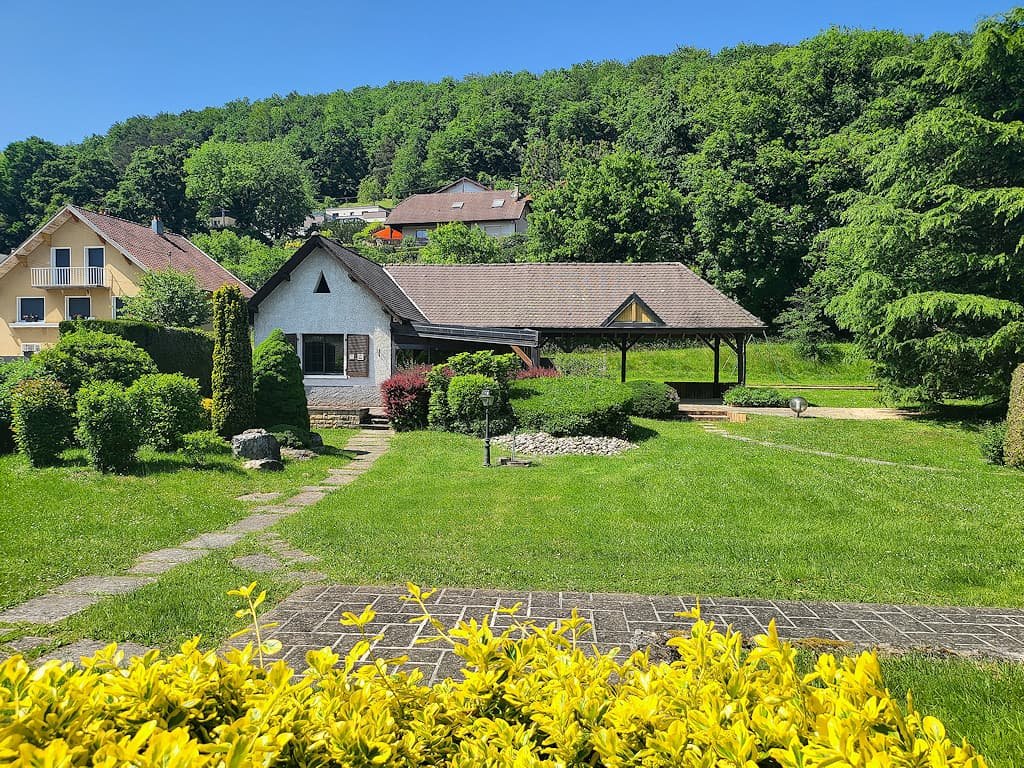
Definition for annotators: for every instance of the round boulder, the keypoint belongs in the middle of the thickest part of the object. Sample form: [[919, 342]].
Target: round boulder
[[256, 444]]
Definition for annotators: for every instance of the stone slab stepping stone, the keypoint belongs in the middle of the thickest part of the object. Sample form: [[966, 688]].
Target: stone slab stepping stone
[[75, 651], [306, 498], [309, 577], [164, 560], [316, 489], [254, 523], [285, 508], [28, 643], [336, 480], [219, 540], [297, 556], [259, 497], [48, 608], [346, 471], [258, 563], [103, 585]]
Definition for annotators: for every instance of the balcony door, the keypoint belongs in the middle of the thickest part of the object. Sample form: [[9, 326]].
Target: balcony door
[[61, 258], [94, 262]]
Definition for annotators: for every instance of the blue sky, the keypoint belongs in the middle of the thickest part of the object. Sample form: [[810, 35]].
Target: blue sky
[[69, 69]]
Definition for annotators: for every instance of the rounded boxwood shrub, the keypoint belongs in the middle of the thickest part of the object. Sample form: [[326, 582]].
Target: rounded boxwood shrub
[[406, 400], [84, 356], [1013, 448], [43, 419], [108, 426], [278, 391], [755, 397], [168, 405], [573, 406], [11, 374], [993, 440], [467, 411], [654, 400], [197, 447]]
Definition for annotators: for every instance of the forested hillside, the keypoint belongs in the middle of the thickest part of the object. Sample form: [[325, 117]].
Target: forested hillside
[[860, 180]]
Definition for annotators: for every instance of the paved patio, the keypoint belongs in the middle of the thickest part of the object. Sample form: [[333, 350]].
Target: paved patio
[[309, 620]]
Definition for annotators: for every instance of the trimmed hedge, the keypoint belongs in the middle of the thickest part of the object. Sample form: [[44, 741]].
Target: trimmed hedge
[[528, 695], [1013, 448], [168, 406], [755, 397], [467, 412], [278, 391], [654, 400], [108, 426], [573, 406], [84, 356], [187, 351], [43, 419]]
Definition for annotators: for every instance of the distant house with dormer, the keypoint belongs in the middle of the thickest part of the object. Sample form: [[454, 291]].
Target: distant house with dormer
[[498, 212], [83, 264]]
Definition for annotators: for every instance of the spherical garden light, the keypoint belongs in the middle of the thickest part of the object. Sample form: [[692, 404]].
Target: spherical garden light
[[487, 398], [798, 405]]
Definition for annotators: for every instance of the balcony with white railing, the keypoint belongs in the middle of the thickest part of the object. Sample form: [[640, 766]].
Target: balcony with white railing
[[69, 277]]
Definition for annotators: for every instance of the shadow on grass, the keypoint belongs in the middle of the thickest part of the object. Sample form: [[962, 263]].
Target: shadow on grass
[[640, 434], [159, 464], [969, 417]]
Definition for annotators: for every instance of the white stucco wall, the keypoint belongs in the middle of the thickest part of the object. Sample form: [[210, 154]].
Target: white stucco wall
[[348, 308]]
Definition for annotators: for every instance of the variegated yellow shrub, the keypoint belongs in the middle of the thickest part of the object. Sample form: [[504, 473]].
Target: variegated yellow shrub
[[529, 696]]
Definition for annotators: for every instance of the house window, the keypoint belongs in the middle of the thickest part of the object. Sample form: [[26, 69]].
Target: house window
[[61, 259], [421, 234], [31, 309], [323, 354], [116, 307], [94, 262], [79, 307]]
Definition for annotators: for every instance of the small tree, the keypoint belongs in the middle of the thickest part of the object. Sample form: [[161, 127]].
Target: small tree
[[234, 409], [1013, 446], [280, 397], [108, 426], [455, 243], [169, 297]]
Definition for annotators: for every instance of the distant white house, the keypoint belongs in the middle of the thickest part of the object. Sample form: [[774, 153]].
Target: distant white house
[[498, 212], [364, 212]]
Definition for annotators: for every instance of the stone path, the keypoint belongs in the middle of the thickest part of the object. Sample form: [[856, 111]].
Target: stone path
[[81, 593], [309, 620], [815, 411], [711, 429]]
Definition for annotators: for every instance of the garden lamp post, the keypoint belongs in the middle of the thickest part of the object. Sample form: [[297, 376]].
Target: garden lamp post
[[488, 400], [798, 405]]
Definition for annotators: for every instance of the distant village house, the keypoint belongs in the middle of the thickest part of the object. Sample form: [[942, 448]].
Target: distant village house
[[498, 212]]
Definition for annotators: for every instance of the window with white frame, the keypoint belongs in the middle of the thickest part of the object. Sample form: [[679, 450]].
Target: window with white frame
[[95, 260], [79, 307], [323, 354], [31, 309], [116, 307]]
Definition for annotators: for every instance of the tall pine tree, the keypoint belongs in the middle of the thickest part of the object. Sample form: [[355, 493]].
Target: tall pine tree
[[234, 407]]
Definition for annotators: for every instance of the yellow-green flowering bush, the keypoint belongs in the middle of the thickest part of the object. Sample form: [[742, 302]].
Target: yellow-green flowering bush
[[529, 696]]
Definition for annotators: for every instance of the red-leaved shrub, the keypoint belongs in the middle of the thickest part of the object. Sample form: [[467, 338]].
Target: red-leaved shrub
[[406, 398], [537, 372]]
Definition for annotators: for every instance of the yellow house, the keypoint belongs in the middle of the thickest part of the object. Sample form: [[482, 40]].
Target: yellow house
[[82, 264]]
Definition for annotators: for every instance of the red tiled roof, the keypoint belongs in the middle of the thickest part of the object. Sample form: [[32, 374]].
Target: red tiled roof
[[155, 252], [577, 295], [438, 208]]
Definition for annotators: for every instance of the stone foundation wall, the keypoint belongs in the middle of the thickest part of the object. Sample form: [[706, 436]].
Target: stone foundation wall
[[333, 418]]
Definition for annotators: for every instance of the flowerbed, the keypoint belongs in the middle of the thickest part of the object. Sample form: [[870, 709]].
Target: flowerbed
[[529, 697]]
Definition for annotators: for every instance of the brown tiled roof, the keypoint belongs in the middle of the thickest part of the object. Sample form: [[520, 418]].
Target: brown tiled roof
[[579, 295], [476, 206], [156, 252], [368, 273]]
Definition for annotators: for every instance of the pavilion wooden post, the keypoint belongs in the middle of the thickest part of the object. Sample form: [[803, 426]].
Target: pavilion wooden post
[[624, 345], [718, 363], [741, 359]]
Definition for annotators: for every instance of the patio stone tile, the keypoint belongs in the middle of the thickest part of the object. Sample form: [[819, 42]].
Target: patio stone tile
[[163, 560], [259, 497], [48, 608], [103, 585], [219, 540], [258, 563]]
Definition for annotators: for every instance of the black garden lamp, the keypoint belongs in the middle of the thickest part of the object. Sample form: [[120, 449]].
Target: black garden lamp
[[488, 400], [798, 405]]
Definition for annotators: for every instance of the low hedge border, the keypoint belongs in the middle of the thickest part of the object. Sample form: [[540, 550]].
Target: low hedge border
[[573, 405]]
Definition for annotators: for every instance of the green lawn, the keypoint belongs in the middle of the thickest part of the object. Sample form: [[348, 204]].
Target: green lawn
[[767, 363], [67, 521], [687, 512]]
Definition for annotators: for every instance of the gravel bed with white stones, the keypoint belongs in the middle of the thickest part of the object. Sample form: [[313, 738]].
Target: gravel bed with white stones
[[543, 444]]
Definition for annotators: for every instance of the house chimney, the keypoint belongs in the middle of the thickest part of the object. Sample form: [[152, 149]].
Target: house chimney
[[157, 225], [515, 192]]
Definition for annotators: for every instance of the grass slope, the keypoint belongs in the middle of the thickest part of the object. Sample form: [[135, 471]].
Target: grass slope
[[688, 512], [66, 521]]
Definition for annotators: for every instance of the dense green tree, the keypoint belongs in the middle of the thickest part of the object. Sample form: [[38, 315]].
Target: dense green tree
[[618, 210], [280, 396], [250, 260], [455, 243], [234, 408], [169, 297], [153, 184], [262, 184]]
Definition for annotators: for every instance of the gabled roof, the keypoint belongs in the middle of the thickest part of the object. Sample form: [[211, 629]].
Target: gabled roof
[[468, 207], [464, 180], [369, 274], [139, 244], [568, 296]]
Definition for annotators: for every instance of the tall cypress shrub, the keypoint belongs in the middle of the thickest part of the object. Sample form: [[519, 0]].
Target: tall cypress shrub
[[277, 384], [1013, 447], [233, 405]]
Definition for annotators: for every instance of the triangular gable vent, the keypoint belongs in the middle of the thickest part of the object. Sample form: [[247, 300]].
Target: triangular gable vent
[[321, 285], [633, 311]]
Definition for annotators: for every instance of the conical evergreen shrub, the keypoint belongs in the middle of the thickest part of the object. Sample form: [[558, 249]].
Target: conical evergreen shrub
[[233, 404], [1013, 447], [277, 384]]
